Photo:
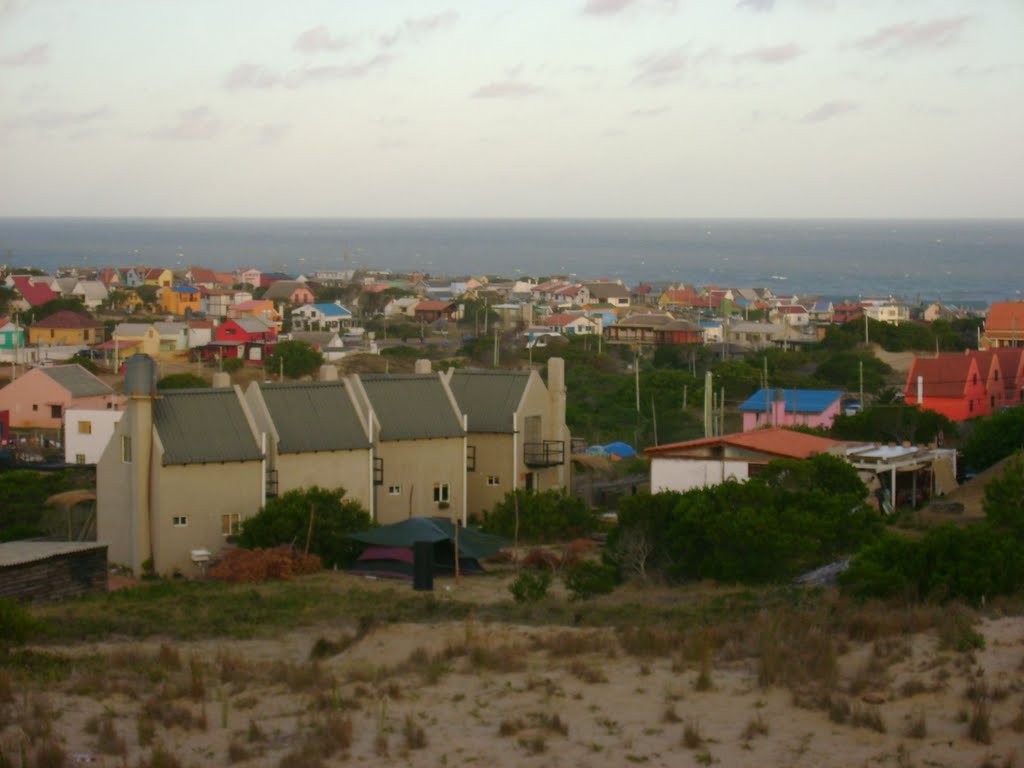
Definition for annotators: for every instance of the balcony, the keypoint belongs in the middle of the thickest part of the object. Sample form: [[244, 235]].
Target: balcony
[[271, 483], [546, 453]]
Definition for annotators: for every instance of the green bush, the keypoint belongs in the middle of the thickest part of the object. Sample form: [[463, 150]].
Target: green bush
[[232, 364], [993, 438], [286, 520], [182, 381], [544, 517], [16, 624], [530, 586], [1004, 497], [297, 358], [895, 423], [587, 579]]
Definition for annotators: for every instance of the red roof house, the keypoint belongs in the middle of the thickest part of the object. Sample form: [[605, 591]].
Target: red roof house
[[1011, 367], [33, 294], [429, 311], [1004, 326], [951, 384]]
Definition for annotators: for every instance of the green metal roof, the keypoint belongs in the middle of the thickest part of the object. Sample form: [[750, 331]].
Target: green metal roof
[[197, 426], [489, 398], [411, 407], [314, 416], [78, 381]]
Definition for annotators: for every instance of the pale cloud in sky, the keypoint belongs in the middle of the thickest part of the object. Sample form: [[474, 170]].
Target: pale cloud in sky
[[467, 108]]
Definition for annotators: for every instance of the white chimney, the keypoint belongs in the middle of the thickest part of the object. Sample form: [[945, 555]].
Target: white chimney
[[422, 366], [221, 380], [328, 373]]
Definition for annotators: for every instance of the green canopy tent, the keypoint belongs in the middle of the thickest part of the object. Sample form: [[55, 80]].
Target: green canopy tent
[[389, 553]]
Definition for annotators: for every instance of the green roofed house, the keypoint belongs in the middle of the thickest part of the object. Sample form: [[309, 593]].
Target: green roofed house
[[517, 436], [316, 435], [419, 445], [180, 473]]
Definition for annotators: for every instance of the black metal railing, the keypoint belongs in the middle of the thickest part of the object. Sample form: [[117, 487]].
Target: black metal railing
[[546, 453]]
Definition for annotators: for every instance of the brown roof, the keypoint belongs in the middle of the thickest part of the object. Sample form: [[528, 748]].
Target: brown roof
[[778, 441], [943, 376], [434, 306], [1006, 317], [68, 319]]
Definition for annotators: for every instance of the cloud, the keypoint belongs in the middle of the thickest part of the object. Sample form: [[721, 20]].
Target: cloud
[[605, 7], [773, 54], [651, 112], [51, 121], [663, 67], [36, 56], [272, 133], [318, 40], [196, 124], [414, 30], [829, 110], [913, 35], [254, 77], [506, 89], [758, 6]]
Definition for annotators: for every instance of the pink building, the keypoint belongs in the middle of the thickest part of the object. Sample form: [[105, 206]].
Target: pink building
[[39, 398], [791, 407]]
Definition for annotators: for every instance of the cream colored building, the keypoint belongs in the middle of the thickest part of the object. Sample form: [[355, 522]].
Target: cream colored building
[[316, 435], [517, 436], [181, 471], [419, 445]]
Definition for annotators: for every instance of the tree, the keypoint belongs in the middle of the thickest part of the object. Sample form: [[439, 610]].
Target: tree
[[843, 369], [53, 307], [895, 422], [85, 362], [1004, 497], [182, 381], [993, 438], [322, 515], [298, 357], [547, 516]]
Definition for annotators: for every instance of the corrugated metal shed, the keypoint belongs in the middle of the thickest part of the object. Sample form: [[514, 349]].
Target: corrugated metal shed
[[78, 381], [198, 426], [797, 400], [489, 398], [21, 552], [411, 407], [314, 416]]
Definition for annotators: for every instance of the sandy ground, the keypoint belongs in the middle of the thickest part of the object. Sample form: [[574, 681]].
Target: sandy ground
[[499, 695]]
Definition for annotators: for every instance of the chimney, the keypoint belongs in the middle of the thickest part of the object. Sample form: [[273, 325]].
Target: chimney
[[221, 380], [779, 407], [422, 366], [556, 388], [137, 450], [920, 391], [328, 373]]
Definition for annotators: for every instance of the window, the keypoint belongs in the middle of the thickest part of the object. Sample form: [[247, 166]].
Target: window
[[79, 458], [471, 458], [441, 493], [126, 449], [180, 522], [970, 406], [394, 490], [85, 427], [35, 406], [975, 379], [493, 480], [230, 523], [55, 411]]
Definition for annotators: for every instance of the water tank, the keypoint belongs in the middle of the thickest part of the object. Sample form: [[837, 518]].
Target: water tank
[[140, 376]]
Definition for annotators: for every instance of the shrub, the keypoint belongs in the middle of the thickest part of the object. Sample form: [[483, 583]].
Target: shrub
[[994, 438], [586, 579], [252, 565], [232, 364], [286, 520], [182, 381], [530, 586], [16, 624], [298, 358], [543, 517]]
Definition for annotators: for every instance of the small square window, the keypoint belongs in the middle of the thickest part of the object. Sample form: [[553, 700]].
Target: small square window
[[85, 427], [35, 406], [180, 521], [230, 523], [394, 490], [79, 458], [55, 411], [441, 494], [493, 480]]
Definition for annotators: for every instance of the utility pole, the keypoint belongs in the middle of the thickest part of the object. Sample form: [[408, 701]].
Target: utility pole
[[495, 343], [636, 375], [708, 385], [862, 386], [17, 333], [866, 339], [721, 412], [654, 417], [685, 388]]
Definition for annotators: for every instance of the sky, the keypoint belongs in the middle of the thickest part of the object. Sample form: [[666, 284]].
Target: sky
[[512, 108]]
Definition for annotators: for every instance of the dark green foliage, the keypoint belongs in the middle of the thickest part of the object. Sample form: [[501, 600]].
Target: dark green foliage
[[285, 520], [182, 381], [85, 362], [531, 586], [232, 364], [547, 516], [16, 624], [148, 293], [894, 338], [994, 438], [894, 423], [797, 516], [23, 495], [587, 579], [1004, 497], [842, 369], [52, 307], [299, 358]]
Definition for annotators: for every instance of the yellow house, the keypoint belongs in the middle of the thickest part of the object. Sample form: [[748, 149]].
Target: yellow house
[[180, 300], [160, 277], [66, 328], [144, 336]]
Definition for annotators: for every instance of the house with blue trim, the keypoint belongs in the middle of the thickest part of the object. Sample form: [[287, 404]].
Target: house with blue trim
[[321, 317], [791, 407]]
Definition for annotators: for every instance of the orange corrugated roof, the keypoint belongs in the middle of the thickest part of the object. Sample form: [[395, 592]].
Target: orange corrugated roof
[[778, 441], [944, 376], [1006, 317]]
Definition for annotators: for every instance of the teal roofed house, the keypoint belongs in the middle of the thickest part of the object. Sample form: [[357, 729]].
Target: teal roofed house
[[12, 335]]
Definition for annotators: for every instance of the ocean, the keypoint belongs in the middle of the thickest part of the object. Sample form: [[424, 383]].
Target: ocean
[[957, 261]]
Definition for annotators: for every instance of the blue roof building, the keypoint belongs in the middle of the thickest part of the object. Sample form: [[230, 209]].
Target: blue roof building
[[790, 407]]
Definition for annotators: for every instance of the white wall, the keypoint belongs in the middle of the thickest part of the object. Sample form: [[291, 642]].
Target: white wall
[[687, 474], [91, 446]]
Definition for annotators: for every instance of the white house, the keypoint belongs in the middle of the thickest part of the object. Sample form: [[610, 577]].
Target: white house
[[403, 307], [87, 432], [572, 325], [93, 292], [321, 317]]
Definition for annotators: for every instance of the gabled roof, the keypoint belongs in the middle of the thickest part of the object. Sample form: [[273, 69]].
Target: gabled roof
[[777, 441], [252, 324], [67, 319], [329, 310], [131, 329], [92, 289], [411, 407], [198, 426], [34, 293], [319, 339], [1011, 360], [203, 275], [797, 400], [283, 289], [184, 289], [563, 319], [943, 376], [434, 306], [252, 304], [489, 398], [76, 380], [314, 416], [791, 309], [1006, 317]]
